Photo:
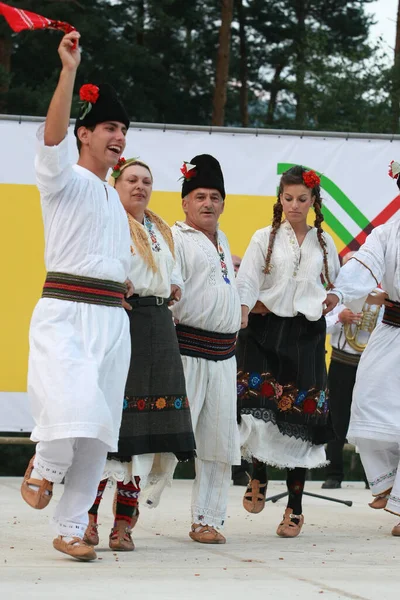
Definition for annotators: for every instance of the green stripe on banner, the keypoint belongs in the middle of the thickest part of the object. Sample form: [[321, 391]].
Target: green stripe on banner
[[336, 193], [336, 226]]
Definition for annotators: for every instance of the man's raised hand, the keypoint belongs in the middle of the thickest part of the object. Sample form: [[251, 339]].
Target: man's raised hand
[[69, 51]]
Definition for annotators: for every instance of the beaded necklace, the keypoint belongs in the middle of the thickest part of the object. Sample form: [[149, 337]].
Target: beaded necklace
[[155, 246], [224, 268]]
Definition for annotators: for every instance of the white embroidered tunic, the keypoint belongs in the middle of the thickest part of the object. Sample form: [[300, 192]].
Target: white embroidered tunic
[[147, 282], [85, 225], [294, 285], [209, 302], [79, 353], [375, 410]]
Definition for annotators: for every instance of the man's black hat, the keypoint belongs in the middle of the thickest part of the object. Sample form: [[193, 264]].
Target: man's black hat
[[100, 103], [206, 174]]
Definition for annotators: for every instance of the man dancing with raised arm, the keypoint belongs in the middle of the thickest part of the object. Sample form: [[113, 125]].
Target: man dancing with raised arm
[[208, 319], [375, 413], [79, 334]]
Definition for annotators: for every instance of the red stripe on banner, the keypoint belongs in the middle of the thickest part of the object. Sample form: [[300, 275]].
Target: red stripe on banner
[[380, 219], [78, 288]]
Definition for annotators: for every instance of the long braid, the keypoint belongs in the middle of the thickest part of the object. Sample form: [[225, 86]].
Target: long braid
[[319, 218], [276, 223]]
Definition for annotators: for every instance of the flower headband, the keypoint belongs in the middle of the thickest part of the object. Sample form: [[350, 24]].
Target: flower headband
[[311, 179], [120, 166], [188, 171], [89, 94], [394, 169]]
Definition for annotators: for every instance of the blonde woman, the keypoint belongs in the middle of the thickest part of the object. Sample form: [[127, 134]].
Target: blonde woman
[[156, 415]]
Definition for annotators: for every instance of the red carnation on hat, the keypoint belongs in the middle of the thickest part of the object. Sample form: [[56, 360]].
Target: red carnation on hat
[[89, 93], [394, 169], [188, 171], [311, 179]]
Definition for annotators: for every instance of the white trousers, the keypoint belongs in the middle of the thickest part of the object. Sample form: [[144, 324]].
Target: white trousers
[[381, 462], [81, 462], [211, 389], [210, 493]]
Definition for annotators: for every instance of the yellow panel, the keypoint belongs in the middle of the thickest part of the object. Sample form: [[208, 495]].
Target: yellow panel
[[22, 249]]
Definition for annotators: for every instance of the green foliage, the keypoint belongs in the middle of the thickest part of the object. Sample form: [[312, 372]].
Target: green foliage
[[310, 63]]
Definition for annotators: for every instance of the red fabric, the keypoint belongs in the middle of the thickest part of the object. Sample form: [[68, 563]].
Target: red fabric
[[19, 20]]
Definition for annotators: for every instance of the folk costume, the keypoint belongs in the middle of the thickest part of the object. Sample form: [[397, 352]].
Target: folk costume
[[79, 333], [208, 320], [156, 415], [374, 424], [341, 379], [282, 384]]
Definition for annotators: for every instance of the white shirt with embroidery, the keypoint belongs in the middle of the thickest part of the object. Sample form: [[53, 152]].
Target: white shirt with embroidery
[[294, 284], [147, 282], [211, 300], [85, 225]]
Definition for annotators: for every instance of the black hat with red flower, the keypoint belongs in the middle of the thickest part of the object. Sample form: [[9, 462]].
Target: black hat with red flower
[[203, 171], [99, 103]]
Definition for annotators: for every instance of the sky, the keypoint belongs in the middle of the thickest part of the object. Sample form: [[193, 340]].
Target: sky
[[385, 13]]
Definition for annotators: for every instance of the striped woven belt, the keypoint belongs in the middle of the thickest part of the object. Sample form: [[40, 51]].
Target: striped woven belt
[[345, 357], [83, 289], [205, 344], [391, 315]]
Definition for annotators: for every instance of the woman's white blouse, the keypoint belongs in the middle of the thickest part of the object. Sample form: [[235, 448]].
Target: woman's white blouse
[[145, 281], [294, 284]]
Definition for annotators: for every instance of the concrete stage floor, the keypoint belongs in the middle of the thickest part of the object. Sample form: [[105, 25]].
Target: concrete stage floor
[[342, 552]]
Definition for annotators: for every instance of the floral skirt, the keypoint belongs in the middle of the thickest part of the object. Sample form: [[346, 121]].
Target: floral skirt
[[282, 376], [156, 414]]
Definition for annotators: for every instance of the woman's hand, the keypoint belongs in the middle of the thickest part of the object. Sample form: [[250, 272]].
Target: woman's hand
[[176, 294], [245, 317], [330, 302], [129, 292]]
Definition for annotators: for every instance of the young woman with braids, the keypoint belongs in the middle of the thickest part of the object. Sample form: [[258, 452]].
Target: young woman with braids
[[282, 395], [156, 415]]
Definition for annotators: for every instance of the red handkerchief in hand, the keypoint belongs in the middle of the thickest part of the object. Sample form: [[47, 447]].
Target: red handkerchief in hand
[[19, 20]]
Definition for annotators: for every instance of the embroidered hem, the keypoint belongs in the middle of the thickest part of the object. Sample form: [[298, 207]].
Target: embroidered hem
[[207, 517], [385, 477], [155, 403], [287, 400]]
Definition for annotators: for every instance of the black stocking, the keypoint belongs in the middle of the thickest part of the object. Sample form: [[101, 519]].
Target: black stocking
[[260, 471], [295, 484]]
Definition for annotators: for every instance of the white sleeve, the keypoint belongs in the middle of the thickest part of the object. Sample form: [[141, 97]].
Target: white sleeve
[[364, 271], [179, 267], [251, 272], [176, 276], [52, 165], [332, 319]]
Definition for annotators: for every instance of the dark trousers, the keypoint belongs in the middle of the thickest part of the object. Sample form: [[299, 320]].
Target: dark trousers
[[341, 379]]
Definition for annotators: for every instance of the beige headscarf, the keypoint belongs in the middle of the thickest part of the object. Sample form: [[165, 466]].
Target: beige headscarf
[[139, 236]]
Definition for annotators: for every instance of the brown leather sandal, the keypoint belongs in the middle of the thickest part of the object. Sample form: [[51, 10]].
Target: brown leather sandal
[[254, 496], [120, 537], [76, 548], [40, 497], [380, 501], [204, 534], [287, 528], [91, 536]]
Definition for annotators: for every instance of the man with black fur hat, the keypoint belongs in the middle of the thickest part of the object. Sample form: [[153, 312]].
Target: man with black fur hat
[[208, 319], [79, 335]]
